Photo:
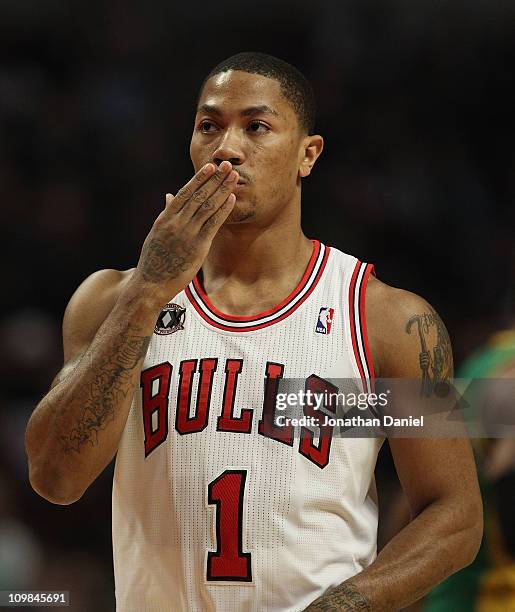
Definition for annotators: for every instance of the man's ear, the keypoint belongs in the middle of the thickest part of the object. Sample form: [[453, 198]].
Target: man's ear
[[312, 147]]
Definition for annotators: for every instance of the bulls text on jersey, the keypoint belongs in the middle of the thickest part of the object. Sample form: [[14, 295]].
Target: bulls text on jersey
[[155, 386]]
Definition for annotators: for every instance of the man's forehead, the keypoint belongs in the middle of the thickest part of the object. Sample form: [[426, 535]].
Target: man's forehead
[[245, 81], [237, 90]]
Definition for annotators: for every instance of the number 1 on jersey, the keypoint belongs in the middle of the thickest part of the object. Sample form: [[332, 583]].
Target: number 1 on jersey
[[228, 562]]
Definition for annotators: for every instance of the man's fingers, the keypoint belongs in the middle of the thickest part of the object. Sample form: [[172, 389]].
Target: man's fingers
[[215, 221], [185, 193], [209, 194], [168, 200], [210, 205]]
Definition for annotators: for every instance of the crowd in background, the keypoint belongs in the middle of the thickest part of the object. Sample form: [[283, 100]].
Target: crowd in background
[[415, 102]]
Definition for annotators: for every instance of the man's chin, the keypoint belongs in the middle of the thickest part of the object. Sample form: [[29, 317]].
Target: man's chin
[[240, 214]]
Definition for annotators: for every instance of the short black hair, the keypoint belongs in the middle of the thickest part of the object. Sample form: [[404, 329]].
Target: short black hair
[[294, 85]]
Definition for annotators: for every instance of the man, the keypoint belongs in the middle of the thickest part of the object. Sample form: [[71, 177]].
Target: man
[[214, 506]]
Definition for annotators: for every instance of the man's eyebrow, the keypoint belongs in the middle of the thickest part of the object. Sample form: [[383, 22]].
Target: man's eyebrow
[[258, 110], [246, 112], [209, 108]]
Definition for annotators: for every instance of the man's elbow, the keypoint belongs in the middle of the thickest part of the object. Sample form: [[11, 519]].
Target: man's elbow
[[46, 476], [472, 531], [52, 487], [476, 536]]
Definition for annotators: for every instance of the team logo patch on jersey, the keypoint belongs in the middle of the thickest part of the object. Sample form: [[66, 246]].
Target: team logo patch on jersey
[[325, 320], [170, 320]]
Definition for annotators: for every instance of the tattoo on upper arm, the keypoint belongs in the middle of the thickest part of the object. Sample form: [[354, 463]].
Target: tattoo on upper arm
[[101, 392], [343, 598], [435, 357]]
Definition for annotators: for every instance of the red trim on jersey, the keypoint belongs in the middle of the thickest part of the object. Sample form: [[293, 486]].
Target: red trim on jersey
[[363, 323], [351, 321], [300, 287], [270, 311]]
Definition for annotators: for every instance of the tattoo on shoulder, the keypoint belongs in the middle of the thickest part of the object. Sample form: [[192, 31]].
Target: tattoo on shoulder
[[102, 392], [435, 357], [343, 598]]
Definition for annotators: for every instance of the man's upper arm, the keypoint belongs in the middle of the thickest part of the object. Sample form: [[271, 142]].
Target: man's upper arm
[[409, 340], [87, 309]]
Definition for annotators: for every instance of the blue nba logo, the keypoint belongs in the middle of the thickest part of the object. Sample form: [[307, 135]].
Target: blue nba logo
[[325, 320]]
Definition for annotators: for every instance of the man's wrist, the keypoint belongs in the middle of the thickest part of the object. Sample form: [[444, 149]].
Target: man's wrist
[[148, 298], [346, 597]]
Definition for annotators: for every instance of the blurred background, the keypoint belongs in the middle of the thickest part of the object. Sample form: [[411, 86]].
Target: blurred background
[[97, 102]]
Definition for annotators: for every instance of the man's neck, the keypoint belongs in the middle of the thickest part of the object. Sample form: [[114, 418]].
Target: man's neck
[[250, 269]]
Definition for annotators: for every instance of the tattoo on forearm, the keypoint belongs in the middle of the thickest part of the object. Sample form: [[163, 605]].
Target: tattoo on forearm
[[344, 598], [435, 356], [101, 394], [163, 260]]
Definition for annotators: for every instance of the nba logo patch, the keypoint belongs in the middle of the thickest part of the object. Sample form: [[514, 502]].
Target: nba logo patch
[[170, 320], [325, 320]]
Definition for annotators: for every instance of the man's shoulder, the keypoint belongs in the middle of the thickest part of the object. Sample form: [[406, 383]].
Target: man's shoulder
[[382, 300], [100, 289], [89, 306], [391, 303], [395, 320], [110, 275], [107, 280]]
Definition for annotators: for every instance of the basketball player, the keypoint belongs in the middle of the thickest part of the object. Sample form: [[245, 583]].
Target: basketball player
[[173, 367]]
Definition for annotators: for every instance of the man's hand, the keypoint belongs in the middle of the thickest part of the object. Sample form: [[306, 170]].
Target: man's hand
[[181, 236]]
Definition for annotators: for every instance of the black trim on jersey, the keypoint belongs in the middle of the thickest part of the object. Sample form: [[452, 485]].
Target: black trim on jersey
[[357, 317], [266, 425], [369, 269], [146, 381], [231, 377], [210, 389], [191, 419], [312, 275], [203, 423], [217, 554], [179, 394], [319, 455]]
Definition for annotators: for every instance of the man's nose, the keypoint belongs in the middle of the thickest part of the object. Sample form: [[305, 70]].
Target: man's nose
[[229, 148]]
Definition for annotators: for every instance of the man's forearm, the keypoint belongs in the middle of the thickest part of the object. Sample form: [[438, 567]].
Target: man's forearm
[[75, 430], [441, 540]]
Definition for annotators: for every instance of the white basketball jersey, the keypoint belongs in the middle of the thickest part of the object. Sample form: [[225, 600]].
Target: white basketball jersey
[[215, 507]]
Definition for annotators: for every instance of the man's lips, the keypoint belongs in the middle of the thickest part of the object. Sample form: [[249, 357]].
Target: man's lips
[[242, 178], [239, 186]]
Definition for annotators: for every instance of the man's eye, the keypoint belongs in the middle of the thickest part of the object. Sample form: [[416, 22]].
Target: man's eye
[[258, 127], [207, 126]]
